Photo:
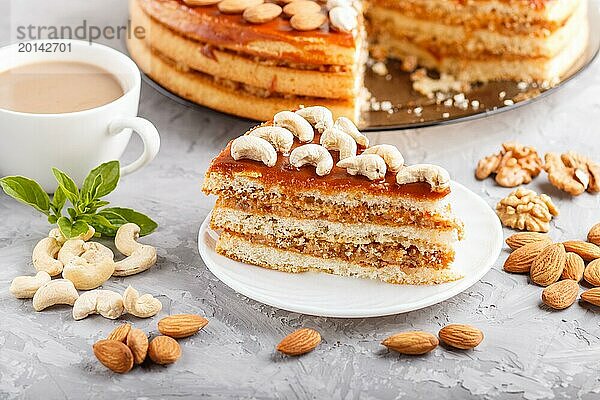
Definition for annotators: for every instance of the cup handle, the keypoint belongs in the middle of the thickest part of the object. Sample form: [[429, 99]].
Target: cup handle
[[146, 131]]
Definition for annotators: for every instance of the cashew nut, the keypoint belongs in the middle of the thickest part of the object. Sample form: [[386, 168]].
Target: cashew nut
[[125, 239], [312, 154], [370, 165], [335, 139], [281, 138], [318, 116], [70, 249], [107, 303], [347, 126], [392, 156], [92, 268], [254, 148], [24, 287], [58, 291], [144, 306], [300, 127], [343, 19], [437, 177], [56, 234], [140, 260], [44, 256]]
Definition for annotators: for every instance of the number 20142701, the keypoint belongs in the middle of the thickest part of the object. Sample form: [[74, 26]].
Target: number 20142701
[[44, 47]]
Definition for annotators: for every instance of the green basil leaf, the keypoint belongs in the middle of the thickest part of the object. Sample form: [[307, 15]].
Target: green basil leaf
[[52, 219], [101, 225], [72, 229], [72, 213], [119, 216], [110, 172], [26, 191], [67, 185], [58, 201]]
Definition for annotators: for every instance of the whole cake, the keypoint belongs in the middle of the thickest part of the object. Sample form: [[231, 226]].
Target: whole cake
[[254, 58], [305, 192]]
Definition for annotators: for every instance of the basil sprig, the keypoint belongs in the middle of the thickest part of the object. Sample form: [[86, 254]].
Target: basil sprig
[[86, 207]]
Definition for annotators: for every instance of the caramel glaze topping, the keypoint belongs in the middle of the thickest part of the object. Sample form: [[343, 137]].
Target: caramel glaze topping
[[305, 178], [207, 24]]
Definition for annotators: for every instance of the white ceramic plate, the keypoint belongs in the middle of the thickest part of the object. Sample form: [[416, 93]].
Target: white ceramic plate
[[334, 296]]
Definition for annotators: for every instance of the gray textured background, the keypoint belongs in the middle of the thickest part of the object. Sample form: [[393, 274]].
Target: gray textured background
[[529, 351]]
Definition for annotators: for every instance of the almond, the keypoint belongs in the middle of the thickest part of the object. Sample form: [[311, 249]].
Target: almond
[[137, 341], [200, 3], [461, 336], [120, 333], [592, 296], [181, 325], [548, 265], [594, 235], [299, 342], [164, 350], [561, 295], [574, 267], [262, 13], [522, 238], [237, 6], [114, 355], [307, 21], [301, 7], [412, 343], [592, 273], [587, 251], [521, 259]]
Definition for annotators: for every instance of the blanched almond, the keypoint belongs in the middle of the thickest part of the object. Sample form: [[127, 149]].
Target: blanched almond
[[301, 7], [307, 21], [262, 13], [237, 6]]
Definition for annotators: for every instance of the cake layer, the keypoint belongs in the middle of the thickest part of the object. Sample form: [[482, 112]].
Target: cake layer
[[240, 249], [274, 39], [494, 67], [328, 81], [228, 98], [481, 43], [243, 223], [311, 208], [366, 255], [513, 16]]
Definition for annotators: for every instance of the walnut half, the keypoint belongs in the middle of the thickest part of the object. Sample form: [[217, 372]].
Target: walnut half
[[514, 165], [524, 209], [573, 173]]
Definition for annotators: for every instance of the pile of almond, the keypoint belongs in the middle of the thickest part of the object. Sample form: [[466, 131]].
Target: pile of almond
[[559, 267], [126, 346], [458, 336]]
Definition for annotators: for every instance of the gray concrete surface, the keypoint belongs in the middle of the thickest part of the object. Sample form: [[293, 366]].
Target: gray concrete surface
[[528, 352]]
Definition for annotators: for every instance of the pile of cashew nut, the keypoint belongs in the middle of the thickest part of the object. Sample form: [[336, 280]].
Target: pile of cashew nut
[[264, 142], [79, 264]]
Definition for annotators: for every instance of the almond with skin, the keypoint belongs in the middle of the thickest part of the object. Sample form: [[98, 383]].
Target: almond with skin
[[120, 333], [522, 238], [521, 259], [548, 265], [164, 350], [592, 296], [594, 235], [299, 342], [181, 325], [461, 336], [574, 267], [114, 355], [587, 251], [592, 273], [561, 294], [137, 341], [411, 343]]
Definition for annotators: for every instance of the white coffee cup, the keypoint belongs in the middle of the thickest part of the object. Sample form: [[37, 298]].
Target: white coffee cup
[[76, 142]]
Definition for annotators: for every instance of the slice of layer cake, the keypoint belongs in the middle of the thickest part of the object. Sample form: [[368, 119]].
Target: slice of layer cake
[[483, 40], [251, 58], [303, 192]]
